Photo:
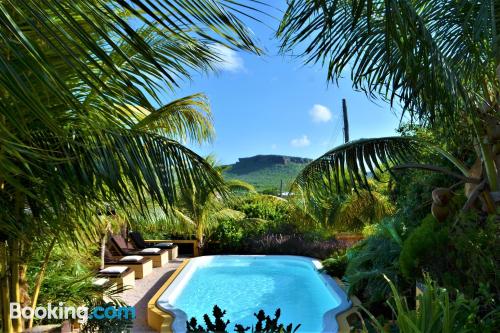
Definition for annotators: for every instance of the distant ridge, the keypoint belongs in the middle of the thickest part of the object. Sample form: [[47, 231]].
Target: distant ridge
[[266, 172], [257, 162]]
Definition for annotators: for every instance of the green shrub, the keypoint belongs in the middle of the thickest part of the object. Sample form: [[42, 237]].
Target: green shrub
[[264, 207], [424, 248], [438, 311], [480, 237], [370, 259], [336, 265], [68, 277], [229, 236]]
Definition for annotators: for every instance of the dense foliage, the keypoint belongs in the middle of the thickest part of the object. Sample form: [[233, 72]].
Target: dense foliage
[[438, 312]]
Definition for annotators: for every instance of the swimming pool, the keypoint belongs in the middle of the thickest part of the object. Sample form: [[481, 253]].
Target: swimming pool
[[242, 285]]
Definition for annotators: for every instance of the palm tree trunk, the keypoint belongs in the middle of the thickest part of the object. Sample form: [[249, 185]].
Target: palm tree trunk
[[199, 237], [15, 291], [103, 251], [15, 260], [40, 276], [103, 243], [4, 290]]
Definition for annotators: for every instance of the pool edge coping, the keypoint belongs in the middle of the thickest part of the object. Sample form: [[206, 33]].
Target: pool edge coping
[[161, 320]]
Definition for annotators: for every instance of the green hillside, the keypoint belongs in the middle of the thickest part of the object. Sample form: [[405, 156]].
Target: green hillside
[[265, 172]]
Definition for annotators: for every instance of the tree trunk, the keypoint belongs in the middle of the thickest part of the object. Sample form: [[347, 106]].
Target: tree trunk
[[15, 291], [15, 260], [4, 290], [199, 237], [39, 278], [103, 250], [107, 229]]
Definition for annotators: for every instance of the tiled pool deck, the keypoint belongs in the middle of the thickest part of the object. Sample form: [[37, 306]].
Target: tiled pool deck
[[144, 290]]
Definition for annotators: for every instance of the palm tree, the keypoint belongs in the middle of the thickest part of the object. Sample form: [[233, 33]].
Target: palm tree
[[440, 60], [200, 208], [341, 211], [82, 120]]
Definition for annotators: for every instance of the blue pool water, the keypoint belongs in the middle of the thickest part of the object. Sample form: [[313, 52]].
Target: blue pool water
[[244, 284]]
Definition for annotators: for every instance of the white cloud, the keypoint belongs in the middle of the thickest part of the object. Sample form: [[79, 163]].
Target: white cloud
[[320, 113], [274, 146], [229, 59], [303, 141]]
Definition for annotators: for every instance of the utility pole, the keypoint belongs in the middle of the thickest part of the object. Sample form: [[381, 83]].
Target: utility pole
[[346, 121]]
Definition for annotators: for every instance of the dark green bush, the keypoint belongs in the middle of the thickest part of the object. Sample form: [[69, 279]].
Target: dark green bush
[[372, 258], [475, 241], [336, 265], [264, 207], [424, 249]]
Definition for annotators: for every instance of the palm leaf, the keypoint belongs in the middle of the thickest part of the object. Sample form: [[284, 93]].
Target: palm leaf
[[187, 117], [437, 58], [90, 60], [123, 163], [227, 214], [350, 166], [356, 211], [239, 185]]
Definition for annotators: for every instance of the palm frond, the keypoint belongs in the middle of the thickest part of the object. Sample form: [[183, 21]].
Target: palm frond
[[90, 60], [350, 166], [362, 209], [126, 166], [227, 214], [185, 118], [239, 185], [433, 57]]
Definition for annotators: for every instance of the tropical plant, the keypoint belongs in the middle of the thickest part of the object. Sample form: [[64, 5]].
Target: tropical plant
[[437, 311], [340, 211], [336, 265], [201, 208], [439, 60], [263, 207], [372, 258], [424, 248], [83, 122]]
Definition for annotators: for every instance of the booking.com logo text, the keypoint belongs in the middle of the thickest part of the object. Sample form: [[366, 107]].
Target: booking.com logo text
[[81, 313]]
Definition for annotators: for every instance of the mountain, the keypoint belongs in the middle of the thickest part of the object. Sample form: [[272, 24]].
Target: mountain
[[266, 172]]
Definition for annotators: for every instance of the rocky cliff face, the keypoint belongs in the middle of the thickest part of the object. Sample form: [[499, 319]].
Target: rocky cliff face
[[249, 164]]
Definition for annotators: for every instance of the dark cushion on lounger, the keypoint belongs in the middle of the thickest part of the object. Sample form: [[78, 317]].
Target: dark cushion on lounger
[[139, 242]]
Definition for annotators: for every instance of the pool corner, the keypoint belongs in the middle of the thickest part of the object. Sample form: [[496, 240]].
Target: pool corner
[[158, 319], [343, 324]]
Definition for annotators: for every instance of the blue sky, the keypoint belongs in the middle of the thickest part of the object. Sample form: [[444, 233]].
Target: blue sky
[[275, 104]]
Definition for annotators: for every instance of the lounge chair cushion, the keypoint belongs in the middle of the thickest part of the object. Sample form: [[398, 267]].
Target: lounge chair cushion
[[114, 270], [150, 250], [166, 245], [131, 258], [100, 282]]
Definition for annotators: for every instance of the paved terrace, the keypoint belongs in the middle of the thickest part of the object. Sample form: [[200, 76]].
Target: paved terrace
[[144, 290]]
